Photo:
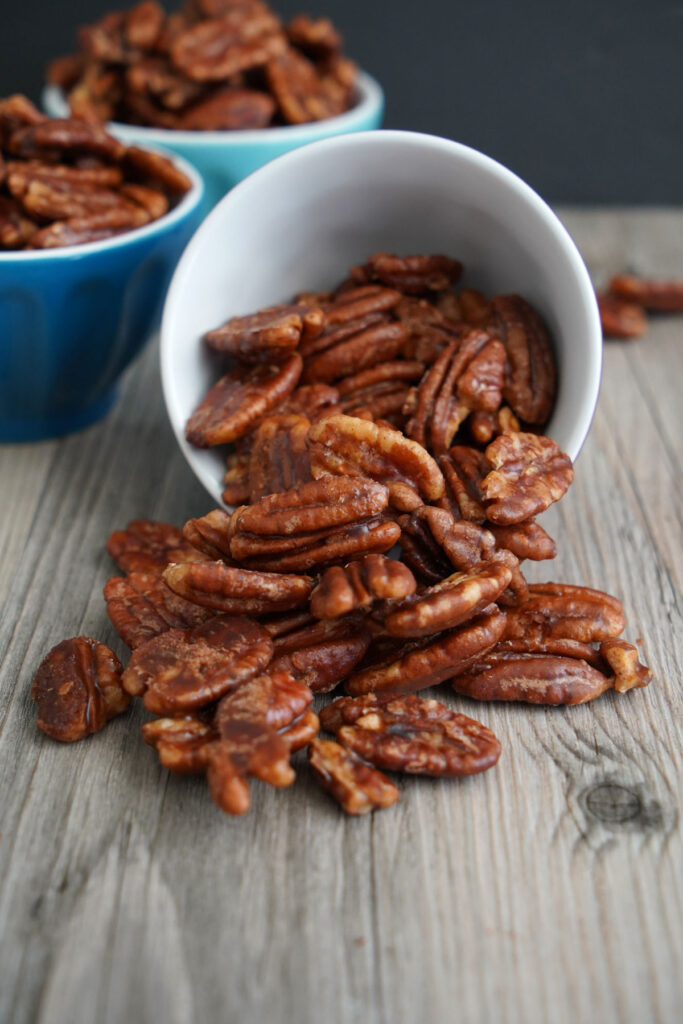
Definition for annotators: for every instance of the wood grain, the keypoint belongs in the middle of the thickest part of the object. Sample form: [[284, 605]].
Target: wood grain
[[547, 890]]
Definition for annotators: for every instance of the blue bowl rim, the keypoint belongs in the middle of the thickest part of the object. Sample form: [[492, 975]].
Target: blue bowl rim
[[371, 99], [189, 202]]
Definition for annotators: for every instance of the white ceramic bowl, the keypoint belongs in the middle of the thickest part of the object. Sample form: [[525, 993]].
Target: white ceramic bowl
[[300, 222]]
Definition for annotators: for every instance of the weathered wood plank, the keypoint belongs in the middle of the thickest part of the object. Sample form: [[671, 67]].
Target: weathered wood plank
[[548, 890]]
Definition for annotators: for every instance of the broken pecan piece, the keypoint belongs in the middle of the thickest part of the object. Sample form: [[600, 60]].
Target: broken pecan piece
[[622, 658], [78, 689], [265, 335], [183, 670], [656, 296], [530, 375], [239, 591], [529, 473], [563, 611], [359, 584], [183, 744], [141, 606], [433, 543], [148, 546], [237, 402], [356, 786]]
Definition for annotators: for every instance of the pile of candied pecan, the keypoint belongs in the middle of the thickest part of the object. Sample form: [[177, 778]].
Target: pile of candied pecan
[[216, 65], [627, 299], [385, 414], [66, 182]]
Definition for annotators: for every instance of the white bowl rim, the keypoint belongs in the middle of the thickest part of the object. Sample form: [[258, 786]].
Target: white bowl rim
[[587, 407], [189, 201], [370, 93]]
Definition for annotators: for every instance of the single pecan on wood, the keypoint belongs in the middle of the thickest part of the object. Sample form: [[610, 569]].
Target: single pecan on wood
[[240, 591], [657, 296], [141, 606], [620, 318], [237, 402], [183, 670], [411, 734], [529, 472], [279, 456], [148, 546], [78, 689], [360, 584], [433, 543], [265, 335], [622, 658], [562, 611], [419, 665], [356, 786], [467, 375], [413, 275], [530, 375]]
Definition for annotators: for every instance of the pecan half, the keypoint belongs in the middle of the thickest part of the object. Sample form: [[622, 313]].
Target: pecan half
[[657, 296], [279, 456], [300, 733], [317, 37], [267, 334], [219, 48], [529, 473], [210, 534], [237, 402], [620, 318], [350, 346], [525, 540], [413, 735], [464, 470], [413, 275], [356, 786], [236, 480], [622, 659], [530, 375], [560, 610], [323, 654], [183, 744], [429, 330], [229, 109], [433, 543], [183, 670], [301, 93], [141, 606], [381, 390], [426, 664], [149, 546], [78, 689], [239, 591], [359, 584]]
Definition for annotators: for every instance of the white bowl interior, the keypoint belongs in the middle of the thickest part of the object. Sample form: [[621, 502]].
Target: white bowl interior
[[300, 222]]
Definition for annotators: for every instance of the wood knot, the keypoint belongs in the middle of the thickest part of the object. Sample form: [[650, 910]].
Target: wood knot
[[617, 805]]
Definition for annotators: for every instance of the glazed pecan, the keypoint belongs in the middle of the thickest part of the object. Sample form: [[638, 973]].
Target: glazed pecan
[[464, 470], [79, 230], [279, 456], [300, 733], [16, 229], [219, 48], [236, 403], [349, 346], [356, 786], [343, 444], [141, 606], [78, 689], [429, 331], [323, 654], [156, 169], [620, 318], [148, 546], [186, 669], [359, 584], [229, 109], [622, 658], [413, 275], [236, 480], [467, 375], [239, 591], [530, 376], [413, 735], [183, 744], [142, 24], [312, 401], [433, 543], [381, 390], [317, 37], [474, 307], [563, 611], [657, 296], [447, 604], [302, 94], [265, 335], [529, 473], [485, 425], [525, 540], [65, 136], [210, 534], [418, 666]]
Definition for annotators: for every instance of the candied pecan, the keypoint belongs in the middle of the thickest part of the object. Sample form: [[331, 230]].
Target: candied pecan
[[65, 135], [104, 40], [183, 744], [467, 375], [149, 546], [656, 296], [382, 389], [317, 37], [485, 425], [622, 659], [474, 307], [529, 473], [287, 622], [63, 200], [318, 549], [560, 610], [343, 444], [530, 376], [399, 734], [16, 229], [78, 689], [155, 79], [79, 230], [353, 346], [301, 93], [355, 303], [300, 733], [142, 606], [153, 202], [160, 169], [463, 470], [324, 653], [525, 540], [356, 786], [457, 599], [236, 480], [359, 584], [239, 591], [273, 699], [312, 401], [347, 710], [426, 664], [413, 275], [210, 534], [429, 332], [219, 48], [279, 457], [234, 405], [183, 670], [619, 318], [434, 544], [535, 678], [268, 333]]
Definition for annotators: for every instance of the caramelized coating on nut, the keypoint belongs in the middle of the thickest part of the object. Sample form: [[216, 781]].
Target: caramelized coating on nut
[[356, 787], [359, 584]]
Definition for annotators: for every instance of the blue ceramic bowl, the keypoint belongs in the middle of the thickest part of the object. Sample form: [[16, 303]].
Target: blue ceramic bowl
[[225, 158], [72, 319]]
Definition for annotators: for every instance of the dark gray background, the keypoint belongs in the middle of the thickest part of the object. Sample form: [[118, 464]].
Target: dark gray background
[[582, 99]]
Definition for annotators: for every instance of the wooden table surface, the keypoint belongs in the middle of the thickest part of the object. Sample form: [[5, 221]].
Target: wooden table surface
[[547, 890]]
